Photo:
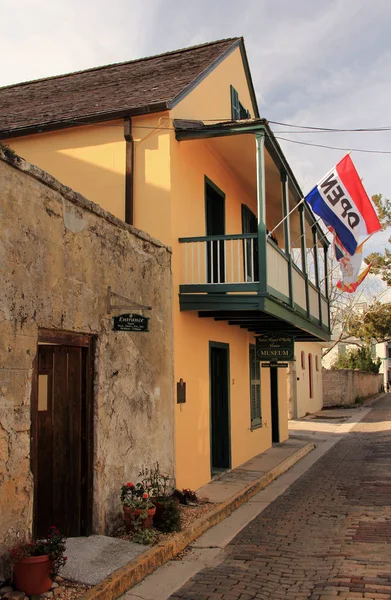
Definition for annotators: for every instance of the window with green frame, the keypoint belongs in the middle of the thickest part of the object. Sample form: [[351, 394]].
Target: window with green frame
[[238, 111], [255, 389]]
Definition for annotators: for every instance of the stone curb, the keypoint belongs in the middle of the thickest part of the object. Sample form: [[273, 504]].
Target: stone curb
[[135, 571]]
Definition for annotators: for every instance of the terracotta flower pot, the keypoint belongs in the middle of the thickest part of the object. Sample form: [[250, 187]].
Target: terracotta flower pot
[[131, 515], [32, 574]]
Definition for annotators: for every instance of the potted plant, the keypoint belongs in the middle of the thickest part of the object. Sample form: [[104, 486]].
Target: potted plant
[[167, 516], [137, 506], [34, 565]]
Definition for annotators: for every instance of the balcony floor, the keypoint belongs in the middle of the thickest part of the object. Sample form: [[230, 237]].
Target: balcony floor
[[256, 313]]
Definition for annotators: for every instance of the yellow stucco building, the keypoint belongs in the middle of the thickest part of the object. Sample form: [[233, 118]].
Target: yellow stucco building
[[174, 145]]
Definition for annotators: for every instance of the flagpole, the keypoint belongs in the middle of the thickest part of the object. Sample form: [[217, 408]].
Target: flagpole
[[289, 213]]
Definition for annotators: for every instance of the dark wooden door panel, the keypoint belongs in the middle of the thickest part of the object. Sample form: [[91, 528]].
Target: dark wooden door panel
[[220, 438], [59, 439]]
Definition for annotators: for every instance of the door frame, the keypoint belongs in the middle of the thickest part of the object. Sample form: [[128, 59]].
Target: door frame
[[219, 191], [274, 404], [222, 346], [81, 340]]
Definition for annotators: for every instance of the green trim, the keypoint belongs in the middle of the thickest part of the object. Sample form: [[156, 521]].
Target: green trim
[[225, 347], [249, 79], [241, 303], [279, 311], [261, 205], [218, 131], [211, 238], [276, 153], [201, 288], [287, 232], [275, 247], [279, 295], [215, 187], [255, 423]]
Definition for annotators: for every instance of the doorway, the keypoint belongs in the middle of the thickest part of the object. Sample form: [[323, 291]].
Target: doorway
[[219, 407], [250, 225], [215, 225], [274, 405], [61, 443]]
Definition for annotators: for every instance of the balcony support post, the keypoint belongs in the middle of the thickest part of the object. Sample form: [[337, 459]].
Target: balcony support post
[[287, 232], [304, 257], [261, 202], [317, 280]]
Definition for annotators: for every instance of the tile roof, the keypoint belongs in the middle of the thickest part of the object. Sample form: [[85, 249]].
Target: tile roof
[[134, 87]]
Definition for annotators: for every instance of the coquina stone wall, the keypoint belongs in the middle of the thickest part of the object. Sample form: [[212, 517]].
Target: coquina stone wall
[[344, 386], [58, 254]]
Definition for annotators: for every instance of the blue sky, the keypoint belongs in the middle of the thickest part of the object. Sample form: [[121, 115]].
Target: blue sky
[[313, 63]]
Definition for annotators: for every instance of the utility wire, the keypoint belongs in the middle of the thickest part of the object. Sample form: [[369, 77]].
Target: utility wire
[[336, 129], [333, 147]]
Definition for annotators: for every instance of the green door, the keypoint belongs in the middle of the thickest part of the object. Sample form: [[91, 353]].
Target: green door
[[219, 409], [215, 225], [274, 407]]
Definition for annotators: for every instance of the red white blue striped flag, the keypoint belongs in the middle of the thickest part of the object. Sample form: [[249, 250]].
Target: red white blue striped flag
[[343, 204]]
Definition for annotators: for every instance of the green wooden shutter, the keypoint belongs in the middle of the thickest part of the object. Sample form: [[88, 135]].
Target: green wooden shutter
[[255, 389], [235, 104]]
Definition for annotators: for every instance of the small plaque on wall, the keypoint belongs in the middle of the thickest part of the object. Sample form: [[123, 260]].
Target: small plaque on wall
[[130, 323]]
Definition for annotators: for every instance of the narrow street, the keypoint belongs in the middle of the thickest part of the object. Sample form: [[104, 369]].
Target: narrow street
[[328, 536]]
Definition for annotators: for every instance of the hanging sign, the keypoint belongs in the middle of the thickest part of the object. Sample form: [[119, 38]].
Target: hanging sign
[[275, 346], [275, 365], [130, 323]]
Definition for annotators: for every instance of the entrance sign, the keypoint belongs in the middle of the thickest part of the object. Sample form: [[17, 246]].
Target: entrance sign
[[130, 323], [275, 346]]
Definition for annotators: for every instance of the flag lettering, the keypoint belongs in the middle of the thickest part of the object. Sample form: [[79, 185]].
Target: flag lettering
[[338, 195]]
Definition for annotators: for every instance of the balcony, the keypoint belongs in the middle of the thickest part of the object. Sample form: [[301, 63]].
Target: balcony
[[261, 281], [220, 279]]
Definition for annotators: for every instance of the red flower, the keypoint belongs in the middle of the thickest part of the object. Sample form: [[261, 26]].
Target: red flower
[[145, 495], [130, 485]]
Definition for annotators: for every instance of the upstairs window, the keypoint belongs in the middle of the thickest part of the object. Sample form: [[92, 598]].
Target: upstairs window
[[238, 111]]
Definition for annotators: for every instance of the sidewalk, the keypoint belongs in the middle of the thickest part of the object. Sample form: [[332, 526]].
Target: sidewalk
[[114, 566]]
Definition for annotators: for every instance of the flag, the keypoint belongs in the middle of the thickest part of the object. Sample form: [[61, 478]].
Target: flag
[[343, 204], [350, 288], [350, 264]]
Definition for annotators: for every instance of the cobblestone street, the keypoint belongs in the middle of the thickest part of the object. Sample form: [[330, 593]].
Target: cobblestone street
[[327, 537]]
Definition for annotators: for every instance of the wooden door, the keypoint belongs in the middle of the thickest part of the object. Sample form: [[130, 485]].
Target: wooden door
[[215, 225], [219, 398], [60, 440]]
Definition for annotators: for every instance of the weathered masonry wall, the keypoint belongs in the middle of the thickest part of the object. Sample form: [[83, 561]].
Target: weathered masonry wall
[[58, 254], [344, 386]]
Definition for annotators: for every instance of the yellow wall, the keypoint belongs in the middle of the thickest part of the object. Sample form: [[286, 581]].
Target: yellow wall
[[211, 99], [152, 136], [89, 159]]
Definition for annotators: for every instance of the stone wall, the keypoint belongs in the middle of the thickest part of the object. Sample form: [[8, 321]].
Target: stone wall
[[344, 386], [58, 255]]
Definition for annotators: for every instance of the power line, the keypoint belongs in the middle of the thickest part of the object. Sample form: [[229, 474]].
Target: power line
[[360, 129], [333, 147]]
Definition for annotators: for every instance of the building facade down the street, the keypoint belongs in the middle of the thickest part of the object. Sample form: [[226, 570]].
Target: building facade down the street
[[175, 146]]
